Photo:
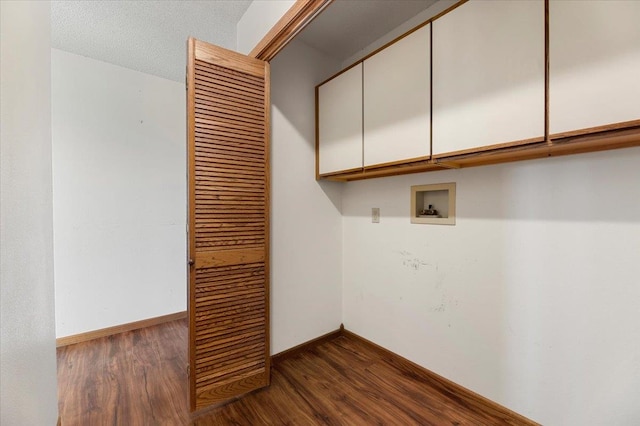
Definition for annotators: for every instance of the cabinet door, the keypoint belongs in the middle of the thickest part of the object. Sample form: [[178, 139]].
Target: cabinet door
[[594, 65], [488, 75], [340, 122], [397, 101]]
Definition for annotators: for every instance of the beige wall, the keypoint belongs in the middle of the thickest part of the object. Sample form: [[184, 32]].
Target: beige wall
[[28, 351]]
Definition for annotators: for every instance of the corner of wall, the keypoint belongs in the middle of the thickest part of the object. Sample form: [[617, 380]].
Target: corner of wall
[[306, 232]]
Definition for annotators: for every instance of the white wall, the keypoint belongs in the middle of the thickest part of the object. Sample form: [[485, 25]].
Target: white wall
[[306, 230], [28, 352], [119, 186], [256, 22], [531, 299]]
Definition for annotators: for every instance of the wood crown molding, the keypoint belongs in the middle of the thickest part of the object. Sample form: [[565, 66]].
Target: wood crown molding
[[291, 23], [110, 331]]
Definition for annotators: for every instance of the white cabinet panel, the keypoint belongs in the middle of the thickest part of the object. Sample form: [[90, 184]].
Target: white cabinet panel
[[594, 74], [340, 122], [488, 75], [397, 101]]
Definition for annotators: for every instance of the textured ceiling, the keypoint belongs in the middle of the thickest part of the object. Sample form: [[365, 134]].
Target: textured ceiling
[[148, 35], [347, 26]]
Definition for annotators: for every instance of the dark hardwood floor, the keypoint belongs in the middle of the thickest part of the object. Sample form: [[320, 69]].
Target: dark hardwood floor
[[140, 378], [134, 378]]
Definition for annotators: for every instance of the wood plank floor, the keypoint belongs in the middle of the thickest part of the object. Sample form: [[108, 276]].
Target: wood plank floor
[[139, 378], [134, 378]]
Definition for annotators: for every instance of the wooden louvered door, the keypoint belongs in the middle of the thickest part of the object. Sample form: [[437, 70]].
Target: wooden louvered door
[[228, 134]]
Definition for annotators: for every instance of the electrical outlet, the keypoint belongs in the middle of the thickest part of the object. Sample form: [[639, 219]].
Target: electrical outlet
[[375, 215]]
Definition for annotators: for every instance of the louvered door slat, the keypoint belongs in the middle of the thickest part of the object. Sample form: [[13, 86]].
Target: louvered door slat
[[228, 105], [229, 321], [206, 101], [219, 88], [235, 79], [225, 158], [209, 112], [232, 145]]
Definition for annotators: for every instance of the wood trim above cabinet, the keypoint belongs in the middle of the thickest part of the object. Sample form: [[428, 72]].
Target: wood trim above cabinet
[[291, 23]]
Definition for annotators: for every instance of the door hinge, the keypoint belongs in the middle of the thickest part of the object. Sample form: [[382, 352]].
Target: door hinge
[[188, 370]]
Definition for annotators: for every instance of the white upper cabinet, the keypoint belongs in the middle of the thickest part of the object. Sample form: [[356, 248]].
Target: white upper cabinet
[[594, 64], [340, 122], [488, 75], [397, 101]]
